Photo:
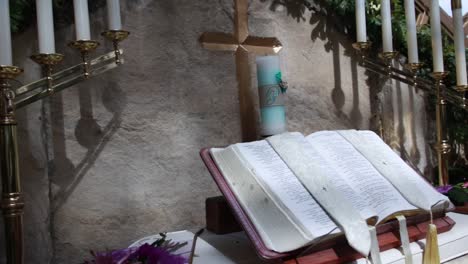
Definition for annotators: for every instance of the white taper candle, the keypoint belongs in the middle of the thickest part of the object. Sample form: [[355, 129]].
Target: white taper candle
[[459, 40], [387, 37], [361, 33], [45, 26], [81, 19], [436, 32], [113, 15], [5, 34], [411, 35]]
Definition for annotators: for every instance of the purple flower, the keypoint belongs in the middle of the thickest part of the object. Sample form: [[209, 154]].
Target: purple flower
[[155, 255], [444, 189], [465, 185]]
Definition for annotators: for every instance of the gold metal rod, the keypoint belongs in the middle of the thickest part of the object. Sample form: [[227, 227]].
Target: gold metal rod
[[58, 76], [86, 66], [443, 145], [451, 95], [408, 80], [64, 84], [406, 74], [117, 52], [12, 199]]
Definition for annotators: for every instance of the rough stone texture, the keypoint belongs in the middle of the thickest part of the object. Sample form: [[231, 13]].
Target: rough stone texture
[[121, 156]]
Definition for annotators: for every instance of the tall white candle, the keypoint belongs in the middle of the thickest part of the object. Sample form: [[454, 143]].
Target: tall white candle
[[113, 14], [5, 34], [459, 39], [387, 38], [45, 26], [437, 51], [411, 36], [361, 33], [81, 19]]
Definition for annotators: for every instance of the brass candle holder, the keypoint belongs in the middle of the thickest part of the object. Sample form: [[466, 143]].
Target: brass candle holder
[[47, 62], [12, 202], [116, 36], [363, 49], [388, 57], [414, 68], [443, 146], [85, 47]]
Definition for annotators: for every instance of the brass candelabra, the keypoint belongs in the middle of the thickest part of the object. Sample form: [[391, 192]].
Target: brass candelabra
[[11, 98], [410, 76]]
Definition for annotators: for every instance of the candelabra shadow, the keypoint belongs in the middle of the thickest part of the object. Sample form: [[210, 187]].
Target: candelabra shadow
[[88, 133]]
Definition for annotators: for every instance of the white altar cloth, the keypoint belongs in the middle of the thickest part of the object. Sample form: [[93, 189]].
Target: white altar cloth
[[236, 248]]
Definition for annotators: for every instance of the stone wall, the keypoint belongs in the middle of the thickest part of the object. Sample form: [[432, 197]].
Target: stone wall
[[116, 157]]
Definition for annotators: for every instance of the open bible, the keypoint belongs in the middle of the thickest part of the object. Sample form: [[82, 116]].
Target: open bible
[[303, 190]]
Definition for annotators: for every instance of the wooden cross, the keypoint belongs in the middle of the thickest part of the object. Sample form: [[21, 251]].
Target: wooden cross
[[242, 44]]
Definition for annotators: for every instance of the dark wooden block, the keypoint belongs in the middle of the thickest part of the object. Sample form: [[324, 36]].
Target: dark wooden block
[[219, 218]]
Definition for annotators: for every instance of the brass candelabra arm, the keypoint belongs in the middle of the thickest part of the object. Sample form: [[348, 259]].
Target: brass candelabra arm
[[363, 49], [7, 95], [116, 36], [414, 69], [48, 61], [85, 47], [388, 58]]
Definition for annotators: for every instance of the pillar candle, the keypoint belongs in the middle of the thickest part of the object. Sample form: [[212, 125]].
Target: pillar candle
[[81, 19], [272, 112], [113, 15], [45, 26], [361, 34], [387, 38], [459, 40], [437, 52], [411, 36], [5, 34]]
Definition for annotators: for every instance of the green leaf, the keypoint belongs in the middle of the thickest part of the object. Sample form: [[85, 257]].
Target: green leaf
[[458, 195]]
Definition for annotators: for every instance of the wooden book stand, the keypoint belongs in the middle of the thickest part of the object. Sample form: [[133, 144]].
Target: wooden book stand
[[226, 215]]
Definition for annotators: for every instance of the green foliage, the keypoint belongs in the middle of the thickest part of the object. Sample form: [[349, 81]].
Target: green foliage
[[344, 12], [21, 14], [458, 194]]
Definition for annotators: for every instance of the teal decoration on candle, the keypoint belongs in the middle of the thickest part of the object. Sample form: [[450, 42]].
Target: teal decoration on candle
[[283, 85], [271, 90]]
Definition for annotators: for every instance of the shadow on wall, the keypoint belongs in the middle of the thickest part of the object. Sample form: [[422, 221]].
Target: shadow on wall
[[329, 29], [65, 176]]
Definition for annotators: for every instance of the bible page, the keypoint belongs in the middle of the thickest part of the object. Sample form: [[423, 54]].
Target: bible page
[[411, 185], [291, 148], [274, 227], [286, 190], [359, 173]]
